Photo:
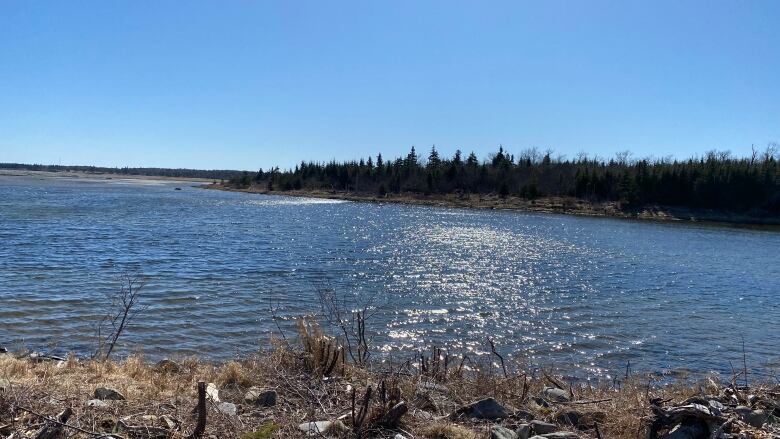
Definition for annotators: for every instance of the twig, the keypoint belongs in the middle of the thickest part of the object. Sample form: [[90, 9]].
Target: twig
[[493, 348]]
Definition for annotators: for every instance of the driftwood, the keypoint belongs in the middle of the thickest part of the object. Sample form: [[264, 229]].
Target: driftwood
[[54, 428]]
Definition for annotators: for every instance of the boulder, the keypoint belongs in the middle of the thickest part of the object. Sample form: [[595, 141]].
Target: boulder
[[487, 408], [499, 432], [555, 394], [523, 431], [260, 397], [227, 408], [108, 394], [541, 428]]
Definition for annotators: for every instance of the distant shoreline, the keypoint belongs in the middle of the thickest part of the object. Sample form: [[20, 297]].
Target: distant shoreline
[[98, 175], [555, 205]]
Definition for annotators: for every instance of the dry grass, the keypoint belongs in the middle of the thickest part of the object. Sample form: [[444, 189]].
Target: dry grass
[[165, 398]]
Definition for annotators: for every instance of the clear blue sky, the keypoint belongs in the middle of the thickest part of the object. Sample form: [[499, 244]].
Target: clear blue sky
[[244, 84]]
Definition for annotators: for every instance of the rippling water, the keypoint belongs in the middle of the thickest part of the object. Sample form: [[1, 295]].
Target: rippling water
[[568, 292]]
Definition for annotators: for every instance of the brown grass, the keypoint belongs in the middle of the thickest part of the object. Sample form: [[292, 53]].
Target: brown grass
[[165, 399]]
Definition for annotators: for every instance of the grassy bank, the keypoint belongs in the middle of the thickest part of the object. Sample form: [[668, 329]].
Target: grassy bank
[[277, 392], [558, 205]]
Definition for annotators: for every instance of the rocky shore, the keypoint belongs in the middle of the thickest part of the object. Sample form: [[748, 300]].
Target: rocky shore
[[558, 205], [313, 388]]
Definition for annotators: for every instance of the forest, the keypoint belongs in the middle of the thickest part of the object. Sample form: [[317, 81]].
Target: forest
[[715, 180]]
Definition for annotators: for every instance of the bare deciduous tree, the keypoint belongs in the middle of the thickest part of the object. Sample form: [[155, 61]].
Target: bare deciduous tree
[[122, 307]]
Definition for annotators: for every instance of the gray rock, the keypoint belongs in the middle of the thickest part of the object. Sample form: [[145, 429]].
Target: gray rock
[[3, 350], [108, 394], [423, 415], [320, 427], [523, 431], [540, 427], [499, 432], [96, 403], [555, 394], [258, 396], [4, 384], [756, 418], [716, 405], [487, 408], [227, 408]]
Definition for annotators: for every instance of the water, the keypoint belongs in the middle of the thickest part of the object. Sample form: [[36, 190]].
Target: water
[[579, 294]]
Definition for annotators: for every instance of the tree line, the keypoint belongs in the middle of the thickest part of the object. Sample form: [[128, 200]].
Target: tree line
[[715, 180]]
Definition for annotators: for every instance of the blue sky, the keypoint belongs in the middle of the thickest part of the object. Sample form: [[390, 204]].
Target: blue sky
[[244, 84]]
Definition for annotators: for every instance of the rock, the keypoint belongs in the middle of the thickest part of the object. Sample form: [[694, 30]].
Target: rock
[[499, 432], [3, 350], [523, 431], [4, 384], [399, 436], [716, 406], [756, 418], [687, 431], [212, 392], [167, 366], [487, 408], [320, 427], [393, 416], [227, 408], [523, 414], [96, 403], [561, 435], [108, 394], [541, 428], [423, 415], [555, 394], [569, 417], [258, 396], [752, 399]]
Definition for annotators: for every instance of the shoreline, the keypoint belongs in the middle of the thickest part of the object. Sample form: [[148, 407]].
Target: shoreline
[[552, 205], [74, 175], [311, 382]]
